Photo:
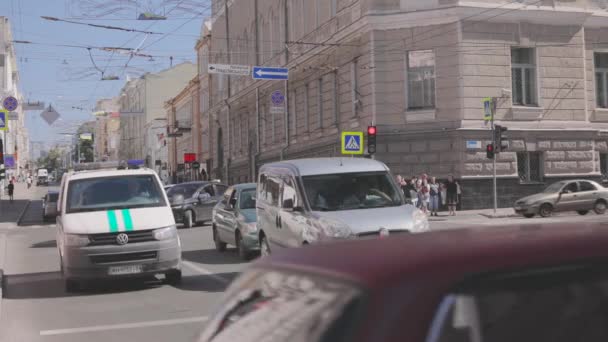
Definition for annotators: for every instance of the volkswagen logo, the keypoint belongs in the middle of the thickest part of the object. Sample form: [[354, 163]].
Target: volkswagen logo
[[122, 239]]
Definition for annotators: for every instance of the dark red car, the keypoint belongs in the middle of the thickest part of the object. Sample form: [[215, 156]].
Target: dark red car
[[531, 283]]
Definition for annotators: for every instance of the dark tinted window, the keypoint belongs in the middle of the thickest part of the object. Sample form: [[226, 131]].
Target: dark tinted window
[[570, 188], [586, 186], [247, 199], [53, 197], [277, 306], [186, 190], [558, 305]]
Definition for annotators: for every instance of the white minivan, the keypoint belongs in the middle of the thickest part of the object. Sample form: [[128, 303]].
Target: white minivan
[[308, 201], [115, 224]]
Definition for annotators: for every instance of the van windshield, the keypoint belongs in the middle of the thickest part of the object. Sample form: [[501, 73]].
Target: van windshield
[[351, 191], [111, 193]]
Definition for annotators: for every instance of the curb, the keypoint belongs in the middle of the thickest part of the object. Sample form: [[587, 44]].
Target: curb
[[27, 206], [490, 216]]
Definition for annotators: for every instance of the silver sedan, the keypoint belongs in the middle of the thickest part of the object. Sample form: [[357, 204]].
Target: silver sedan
[[581, 196], [234, 221]]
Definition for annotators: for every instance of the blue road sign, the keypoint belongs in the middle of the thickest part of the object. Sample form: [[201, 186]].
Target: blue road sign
[[264, 73], [277, 98], [352, 142], [3, 120], [10, 103]]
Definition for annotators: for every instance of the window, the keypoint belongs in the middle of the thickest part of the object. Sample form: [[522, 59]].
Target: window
[[335, 97], [247, 199], [604, 165], [529, 166], [354, 83], [272, 190], [523, 74], [333, 8], [294, 114], [306, 119], [320, 101], [421, 79], [601, 79], [220, 189], [571, 188], [586, 186], [289, 191]]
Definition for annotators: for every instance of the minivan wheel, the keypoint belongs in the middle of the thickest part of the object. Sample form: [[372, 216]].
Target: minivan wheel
[[240, 247], [600, 207], [546, 210], [264, 247], [173, 277], [188, 221], [220, 246]]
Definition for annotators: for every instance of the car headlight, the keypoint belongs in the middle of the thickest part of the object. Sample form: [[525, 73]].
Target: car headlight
[[334, 229], [420, 222], [165, 233], [75, 240], [249, 227]]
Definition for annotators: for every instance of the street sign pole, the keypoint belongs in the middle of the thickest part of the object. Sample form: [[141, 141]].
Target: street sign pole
[[494, 187]]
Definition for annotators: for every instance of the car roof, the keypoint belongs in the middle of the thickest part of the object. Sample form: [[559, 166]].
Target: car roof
[[109, 173], [322, 166], [447, 256], [244, 186]]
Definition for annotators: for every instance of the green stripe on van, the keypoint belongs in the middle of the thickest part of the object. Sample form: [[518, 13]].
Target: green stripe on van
[[126, 216], [112, 221]]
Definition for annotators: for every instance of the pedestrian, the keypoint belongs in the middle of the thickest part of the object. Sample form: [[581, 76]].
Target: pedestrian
[[204, 174], [29, 182], [434, 196], [11, 190], [413, 187], [451, 188], [424, 193]]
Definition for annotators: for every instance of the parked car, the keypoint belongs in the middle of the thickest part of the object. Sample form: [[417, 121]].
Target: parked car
[[307, 201], [581, 196], [193, 202], [510, 284], [234, 220], [49, 205]]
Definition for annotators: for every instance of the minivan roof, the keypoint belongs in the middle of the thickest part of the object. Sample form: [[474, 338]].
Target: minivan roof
[[323, 166]]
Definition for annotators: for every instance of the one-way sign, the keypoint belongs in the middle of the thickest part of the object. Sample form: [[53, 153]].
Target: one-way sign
[[265, 73], [238, 70]]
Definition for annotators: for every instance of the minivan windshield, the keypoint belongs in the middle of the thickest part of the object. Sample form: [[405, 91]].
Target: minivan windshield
[[111, 193], [351, 191]]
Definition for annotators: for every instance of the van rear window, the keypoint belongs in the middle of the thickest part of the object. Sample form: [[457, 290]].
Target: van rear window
[[287, 307]]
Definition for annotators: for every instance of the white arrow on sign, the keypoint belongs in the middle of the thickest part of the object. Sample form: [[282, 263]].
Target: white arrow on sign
[[270, 73]]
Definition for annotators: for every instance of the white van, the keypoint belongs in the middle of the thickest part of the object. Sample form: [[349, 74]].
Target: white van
[[314, 200], [115, 223]]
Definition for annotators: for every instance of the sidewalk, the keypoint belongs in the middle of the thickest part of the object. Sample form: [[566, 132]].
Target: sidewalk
[[464, 215], [10, 212]]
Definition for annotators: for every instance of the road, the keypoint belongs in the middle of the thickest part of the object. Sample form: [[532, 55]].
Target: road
[[36, 307]]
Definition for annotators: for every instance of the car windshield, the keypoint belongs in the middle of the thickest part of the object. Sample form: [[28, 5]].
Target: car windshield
[[555, 187], [109, 193], [350, 191], [186, 190], [247, 200], [548, 306]]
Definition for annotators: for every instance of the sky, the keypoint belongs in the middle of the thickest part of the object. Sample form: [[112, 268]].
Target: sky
[[66, 77]]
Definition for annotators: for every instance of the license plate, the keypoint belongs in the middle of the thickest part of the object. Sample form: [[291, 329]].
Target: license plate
[[131, 269]]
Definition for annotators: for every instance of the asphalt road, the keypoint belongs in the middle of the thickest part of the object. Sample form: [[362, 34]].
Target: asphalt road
[[36, 307]]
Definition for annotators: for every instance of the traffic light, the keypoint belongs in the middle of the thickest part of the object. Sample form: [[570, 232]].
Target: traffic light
[[501, 139], [1, 152], [371, 139], [490, 151]]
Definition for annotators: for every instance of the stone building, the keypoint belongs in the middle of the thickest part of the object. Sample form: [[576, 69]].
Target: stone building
[[107, 129], [419, 70]]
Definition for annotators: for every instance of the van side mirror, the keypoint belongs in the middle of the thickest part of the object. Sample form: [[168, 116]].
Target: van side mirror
[[288, 204]]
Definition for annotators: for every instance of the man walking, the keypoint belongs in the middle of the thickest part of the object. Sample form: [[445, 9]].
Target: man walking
[[11, 191], [29, 182]]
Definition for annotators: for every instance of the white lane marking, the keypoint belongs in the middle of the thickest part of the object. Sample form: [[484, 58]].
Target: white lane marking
[[204, 271], [124, 326]]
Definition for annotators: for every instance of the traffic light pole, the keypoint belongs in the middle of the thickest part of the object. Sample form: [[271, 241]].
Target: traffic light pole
[[494, 142]]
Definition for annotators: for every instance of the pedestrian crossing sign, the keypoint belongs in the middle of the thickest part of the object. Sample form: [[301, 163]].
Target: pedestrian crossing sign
[[352, 143], [3, 120]]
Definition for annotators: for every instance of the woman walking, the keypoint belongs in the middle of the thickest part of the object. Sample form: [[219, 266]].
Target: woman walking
[[434, 196], [451, 188]]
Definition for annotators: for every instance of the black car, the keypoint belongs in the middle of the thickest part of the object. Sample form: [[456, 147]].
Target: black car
[[193, 202]]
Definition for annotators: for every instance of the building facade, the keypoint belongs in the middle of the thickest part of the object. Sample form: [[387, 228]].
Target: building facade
[[15, 138], [107, 129], [184, 130], [418, 70], [141, 102]]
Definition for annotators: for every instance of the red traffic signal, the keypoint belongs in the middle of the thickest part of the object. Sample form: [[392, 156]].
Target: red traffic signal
[[371, 139], [490, 151], [371, 130]]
